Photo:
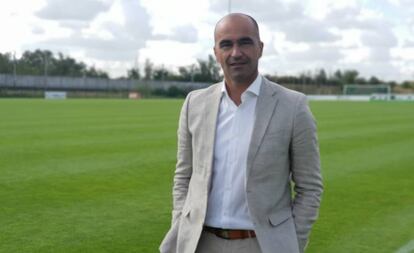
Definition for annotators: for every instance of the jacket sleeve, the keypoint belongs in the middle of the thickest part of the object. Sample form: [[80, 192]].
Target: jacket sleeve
[[184, 168], [306, 174]]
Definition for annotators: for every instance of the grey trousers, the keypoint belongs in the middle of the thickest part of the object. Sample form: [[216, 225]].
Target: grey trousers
[[210, 243]]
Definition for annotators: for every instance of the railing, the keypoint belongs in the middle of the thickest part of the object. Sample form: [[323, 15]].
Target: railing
[[87, 83]]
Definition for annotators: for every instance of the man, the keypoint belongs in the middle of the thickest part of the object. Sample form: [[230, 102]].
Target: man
[[241, 143]]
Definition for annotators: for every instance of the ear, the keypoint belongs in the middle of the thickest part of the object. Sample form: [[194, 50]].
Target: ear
[[261, 45], [215, 52]]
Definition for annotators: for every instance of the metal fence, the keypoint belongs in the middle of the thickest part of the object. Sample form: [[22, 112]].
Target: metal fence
[[88, 84], [11, 85]]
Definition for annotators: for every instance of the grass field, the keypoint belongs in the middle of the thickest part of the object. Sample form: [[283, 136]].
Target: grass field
[[96, 175]]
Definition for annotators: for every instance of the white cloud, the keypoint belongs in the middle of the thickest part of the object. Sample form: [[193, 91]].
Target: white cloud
[[379, 38], [73, 10], [172, 53], [355, 55], [184, 34], [375, 37], [321, 54], [108, 40], [307, 30], [38, 30], [265, 11], [409, 43]]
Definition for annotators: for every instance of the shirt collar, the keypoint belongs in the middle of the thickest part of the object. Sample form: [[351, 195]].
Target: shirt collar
[[253, 87]]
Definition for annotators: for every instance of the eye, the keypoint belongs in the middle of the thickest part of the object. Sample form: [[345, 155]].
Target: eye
[[245, 41], [225, 44]]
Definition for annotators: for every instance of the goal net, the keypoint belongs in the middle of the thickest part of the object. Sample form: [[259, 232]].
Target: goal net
[[366, 89]]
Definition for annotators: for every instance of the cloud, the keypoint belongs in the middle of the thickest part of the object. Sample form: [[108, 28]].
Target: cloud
[[73, 10], [386, 70], [379, 43], [351, 17], [379, 38], [348, 35], [122, 40], [74, 24], [38, 30], [409, 43], [316, 53], [186, 34], [308, 30], [262, 10], [371, 37], [183, 34], [97, 48], [286, 17]]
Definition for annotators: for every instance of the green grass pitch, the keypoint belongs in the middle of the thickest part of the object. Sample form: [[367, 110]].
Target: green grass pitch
[[96, 175]]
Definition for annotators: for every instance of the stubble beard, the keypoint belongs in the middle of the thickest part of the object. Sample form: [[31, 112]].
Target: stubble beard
[[242, 78]]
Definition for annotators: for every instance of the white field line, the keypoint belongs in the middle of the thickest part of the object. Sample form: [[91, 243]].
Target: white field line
[[408, 248]]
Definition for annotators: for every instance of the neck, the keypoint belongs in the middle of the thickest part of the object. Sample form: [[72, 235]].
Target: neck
[[235, 89]]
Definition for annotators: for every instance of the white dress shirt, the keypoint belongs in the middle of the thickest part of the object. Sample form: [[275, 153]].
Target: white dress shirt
[[227, 202]]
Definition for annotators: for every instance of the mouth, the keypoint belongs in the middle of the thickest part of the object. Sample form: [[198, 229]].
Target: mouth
[[237, 64]]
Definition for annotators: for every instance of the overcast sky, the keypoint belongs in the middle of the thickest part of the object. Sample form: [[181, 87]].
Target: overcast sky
[[376, 37]]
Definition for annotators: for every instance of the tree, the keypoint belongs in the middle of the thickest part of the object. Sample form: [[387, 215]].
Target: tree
[[305, 78], [162, 74], [35, 63], [133, 74], [185, 73], [92, 72], [338, 75], [67, 66], [207, 71], [148, 70], [214, 68], [320, 77], [349, 76], [374, 80], [6, 63], [44, 62], [408, 85]]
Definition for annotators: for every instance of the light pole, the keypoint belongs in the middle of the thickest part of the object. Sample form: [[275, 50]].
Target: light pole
[[229, 7], [45, 71], [192, 72], [46, 65], [14, 68], [45, 61]]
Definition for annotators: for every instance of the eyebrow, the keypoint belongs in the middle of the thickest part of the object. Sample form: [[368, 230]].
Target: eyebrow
[[241, 40], [225, 42], [245, 39]]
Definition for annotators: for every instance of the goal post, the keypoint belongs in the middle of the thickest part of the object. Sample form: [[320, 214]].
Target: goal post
[[366, 89]]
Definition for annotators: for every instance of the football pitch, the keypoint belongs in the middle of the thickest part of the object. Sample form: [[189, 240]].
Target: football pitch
[[96, 175]]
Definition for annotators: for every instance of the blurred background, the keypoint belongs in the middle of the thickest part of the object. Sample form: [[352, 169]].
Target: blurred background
[[90, 93]]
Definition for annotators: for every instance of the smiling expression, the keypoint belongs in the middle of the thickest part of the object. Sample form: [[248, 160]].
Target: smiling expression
[[238, 48]]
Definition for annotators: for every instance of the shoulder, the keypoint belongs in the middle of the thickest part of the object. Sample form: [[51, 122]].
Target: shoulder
[[197, 98], [202, 93]]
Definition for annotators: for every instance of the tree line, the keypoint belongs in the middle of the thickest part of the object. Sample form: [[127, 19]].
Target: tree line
[[45, 62]]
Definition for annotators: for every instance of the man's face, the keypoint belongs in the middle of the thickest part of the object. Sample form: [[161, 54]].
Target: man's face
[[238, 49]]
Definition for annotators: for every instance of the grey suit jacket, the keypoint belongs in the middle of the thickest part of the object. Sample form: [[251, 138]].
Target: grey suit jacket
[[283, 152]]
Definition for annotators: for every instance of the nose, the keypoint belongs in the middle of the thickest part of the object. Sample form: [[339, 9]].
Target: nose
[[236, 52]]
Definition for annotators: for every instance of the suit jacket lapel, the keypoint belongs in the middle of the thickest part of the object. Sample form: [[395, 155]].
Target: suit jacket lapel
[[265, 106], [211, 108]]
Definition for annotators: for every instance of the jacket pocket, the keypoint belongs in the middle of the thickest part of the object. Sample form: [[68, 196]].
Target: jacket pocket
[[279, 217]]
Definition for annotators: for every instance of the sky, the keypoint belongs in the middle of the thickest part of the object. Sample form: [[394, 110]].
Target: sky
[[375, 37]]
